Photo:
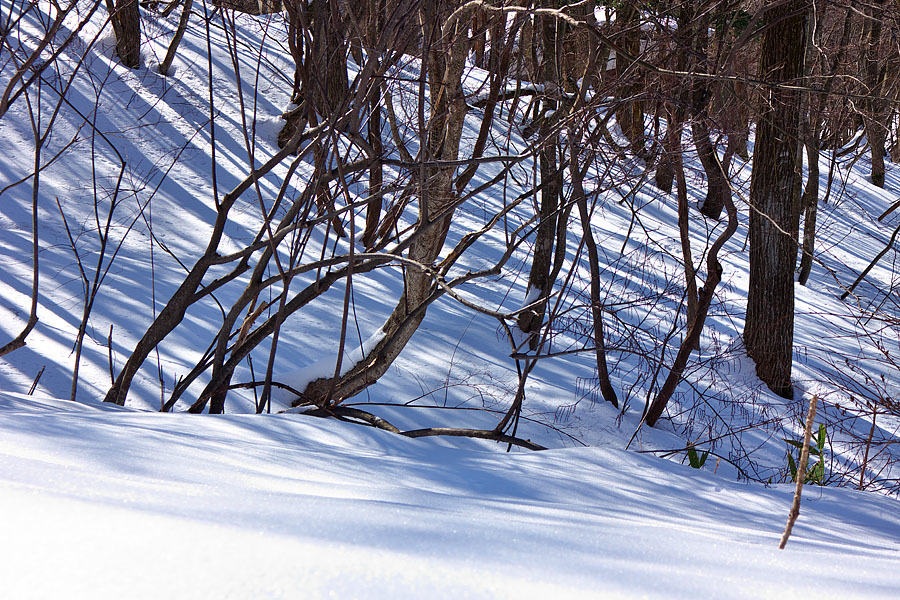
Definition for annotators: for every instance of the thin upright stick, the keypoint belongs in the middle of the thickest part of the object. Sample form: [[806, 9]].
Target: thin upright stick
[[801, 472]]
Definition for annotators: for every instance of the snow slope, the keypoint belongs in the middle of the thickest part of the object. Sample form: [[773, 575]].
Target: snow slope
[[111, 503], [102, 502]]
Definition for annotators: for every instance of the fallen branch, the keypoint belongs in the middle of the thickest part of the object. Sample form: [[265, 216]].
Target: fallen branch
[[352, 415], [484, 434], [355, 415]]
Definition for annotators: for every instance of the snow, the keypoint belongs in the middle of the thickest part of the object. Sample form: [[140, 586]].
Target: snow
[[105, 503], [100, 501]]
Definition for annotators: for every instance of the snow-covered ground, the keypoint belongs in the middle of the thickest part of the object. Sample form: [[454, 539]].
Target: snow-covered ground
[[99, 502], [106, 502]]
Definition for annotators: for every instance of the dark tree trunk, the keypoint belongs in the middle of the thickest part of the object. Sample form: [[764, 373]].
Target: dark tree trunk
[[676, 107], [126, 20], [690, 274], [606, 388], [446, 52], [630, 113], [876, 72], [318, 41], [738, 120], [695, 325], [774, 200], [323, 84], [812, 124], [374, 24], [717, 189], [540, 280], [665, 169], [810, 205]]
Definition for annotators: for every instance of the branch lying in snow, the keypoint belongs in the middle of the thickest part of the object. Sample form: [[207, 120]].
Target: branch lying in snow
[[253, 384], [352, 415], [483, 434], [355, 415]]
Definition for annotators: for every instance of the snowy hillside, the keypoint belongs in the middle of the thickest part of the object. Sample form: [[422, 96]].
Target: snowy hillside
[[105, 503], [101, 501]]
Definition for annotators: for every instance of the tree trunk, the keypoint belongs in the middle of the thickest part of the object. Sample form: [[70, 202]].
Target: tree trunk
[[540, 280], [606, 388], [316, 38], [876, 73], [126, 20], [717, 188], [446, 53], [774, 200], [374, 23], [716, 181], [696, 323], [665, 168], [738, 120], [676, 107], [330, 57], [630, 112], [809, 123], [810, 206], [812, 123], [690, 274]]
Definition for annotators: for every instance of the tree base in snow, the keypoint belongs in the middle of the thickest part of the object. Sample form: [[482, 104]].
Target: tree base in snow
[[251, 7]]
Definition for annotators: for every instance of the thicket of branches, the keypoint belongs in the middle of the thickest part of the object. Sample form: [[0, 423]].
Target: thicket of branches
[[375, 164]]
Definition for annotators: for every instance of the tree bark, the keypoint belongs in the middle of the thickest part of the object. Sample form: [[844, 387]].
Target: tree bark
[[812, 123], [676, 106], [580, 197], [738, 124], [875, 72], [810, 205], [375, 21], [690, 274], [630, 112], [318, 45], [695, 324], [717, 188], [774, 200], [665, 168], [126, 20], [540, 280]]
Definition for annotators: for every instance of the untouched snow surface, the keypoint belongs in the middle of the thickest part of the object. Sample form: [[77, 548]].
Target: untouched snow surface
[[100, 502]]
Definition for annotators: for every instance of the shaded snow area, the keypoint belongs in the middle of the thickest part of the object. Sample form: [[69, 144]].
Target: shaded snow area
[[114, 503], [106, 502]]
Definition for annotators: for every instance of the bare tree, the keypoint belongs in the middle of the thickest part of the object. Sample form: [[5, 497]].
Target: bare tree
[[446, 45], [774, 198]]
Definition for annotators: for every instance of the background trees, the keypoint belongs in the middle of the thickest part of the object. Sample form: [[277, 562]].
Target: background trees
[[438, 151]]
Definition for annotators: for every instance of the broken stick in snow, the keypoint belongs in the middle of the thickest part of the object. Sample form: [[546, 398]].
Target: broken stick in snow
[[801, 472]]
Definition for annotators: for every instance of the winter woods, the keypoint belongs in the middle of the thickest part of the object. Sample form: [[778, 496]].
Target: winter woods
[[587, 182]]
